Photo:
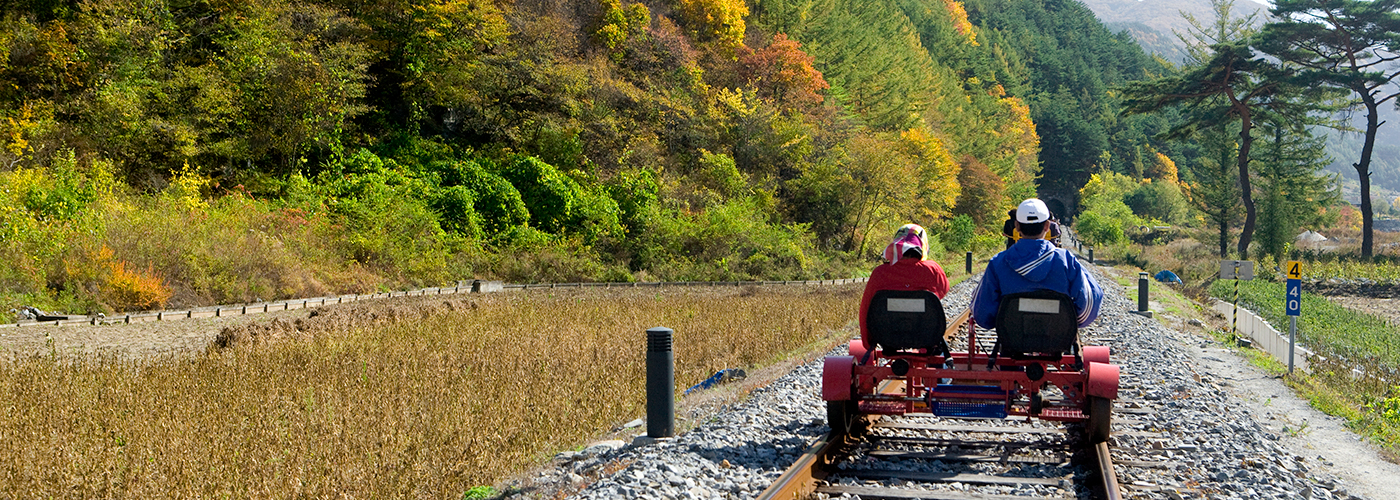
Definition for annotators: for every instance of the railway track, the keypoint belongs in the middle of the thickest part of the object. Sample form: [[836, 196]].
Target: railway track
[[913, 457], [921, 456]]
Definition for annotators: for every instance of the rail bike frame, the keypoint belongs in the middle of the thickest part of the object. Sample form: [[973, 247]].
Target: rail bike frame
[[971, 385]]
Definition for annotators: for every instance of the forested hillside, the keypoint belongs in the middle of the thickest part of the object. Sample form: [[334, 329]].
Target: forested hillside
[[1066, 64], [207, 151]]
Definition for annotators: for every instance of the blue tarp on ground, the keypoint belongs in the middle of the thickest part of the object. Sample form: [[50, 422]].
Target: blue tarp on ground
[[719, 377], [1166, 276]]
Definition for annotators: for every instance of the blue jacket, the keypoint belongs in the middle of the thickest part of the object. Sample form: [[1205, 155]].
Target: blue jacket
[[1035, 264]]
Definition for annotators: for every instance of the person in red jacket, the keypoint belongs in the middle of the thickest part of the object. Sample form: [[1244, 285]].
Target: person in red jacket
[[906, 267]]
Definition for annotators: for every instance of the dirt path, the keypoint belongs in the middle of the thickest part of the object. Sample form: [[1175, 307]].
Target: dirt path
[[1301, 429], [184, 336], [138, 339]]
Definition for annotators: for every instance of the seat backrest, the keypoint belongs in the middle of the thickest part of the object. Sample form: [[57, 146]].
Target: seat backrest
[[906, 319], [1038, 322]]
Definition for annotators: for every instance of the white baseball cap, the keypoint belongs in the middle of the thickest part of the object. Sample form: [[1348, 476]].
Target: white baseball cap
[[1032, 210]]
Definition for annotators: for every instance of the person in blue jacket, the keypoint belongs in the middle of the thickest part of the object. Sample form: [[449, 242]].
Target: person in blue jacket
[[1033, 263]]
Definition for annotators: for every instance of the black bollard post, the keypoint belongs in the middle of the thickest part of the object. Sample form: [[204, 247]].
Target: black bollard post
[[1091, 255], [661, 383], [969, 263], [1142, 295]]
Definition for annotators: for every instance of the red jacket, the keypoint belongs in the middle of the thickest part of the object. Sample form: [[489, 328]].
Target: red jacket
[[904, 274]]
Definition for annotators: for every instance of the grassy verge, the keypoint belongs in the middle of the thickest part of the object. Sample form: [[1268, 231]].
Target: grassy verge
[[426, 408], [1355, 379]]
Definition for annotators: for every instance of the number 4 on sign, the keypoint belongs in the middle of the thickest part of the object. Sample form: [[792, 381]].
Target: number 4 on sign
[[1295, 270]]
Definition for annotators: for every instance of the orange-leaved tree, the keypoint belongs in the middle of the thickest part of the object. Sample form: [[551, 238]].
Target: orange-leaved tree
[[783, 73], [982, 194]]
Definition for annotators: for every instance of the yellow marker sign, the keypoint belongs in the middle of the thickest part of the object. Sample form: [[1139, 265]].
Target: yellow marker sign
[[1295, 270]]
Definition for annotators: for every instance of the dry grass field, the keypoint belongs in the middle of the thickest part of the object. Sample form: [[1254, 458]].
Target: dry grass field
[[424, 399]]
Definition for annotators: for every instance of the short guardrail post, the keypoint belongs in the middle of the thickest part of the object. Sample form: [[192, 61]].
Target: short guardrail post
[[661, 383], [1142, 296]]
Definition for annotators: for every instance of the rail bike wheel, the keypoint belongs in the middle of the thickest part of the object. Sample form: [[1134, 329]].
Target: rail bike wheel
[[843, 417], [1097, 428]]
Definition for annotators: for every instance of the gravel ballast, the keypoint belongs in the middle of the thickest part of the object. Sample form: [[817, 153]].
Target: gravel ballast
[[1193, 438]]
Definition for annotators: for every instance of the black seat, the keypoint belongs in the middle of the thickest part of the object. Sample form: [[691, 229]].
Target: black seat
[[1039, 324], [906, 319]]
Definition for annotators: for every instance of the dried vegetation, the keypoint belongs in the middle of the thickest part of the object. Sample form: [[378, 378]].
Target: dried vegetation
[[426, 398]]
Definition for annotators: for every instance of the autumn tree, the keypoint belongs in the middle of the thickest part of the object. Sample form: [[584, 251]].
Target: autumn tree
[[982, 196], [720, 22], [886, 183], [784, 73], [937, 174]]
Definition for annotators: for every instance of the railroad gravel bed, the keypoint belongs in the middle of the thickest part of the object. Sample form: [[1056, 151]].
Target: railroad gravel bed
[[1177, 434]]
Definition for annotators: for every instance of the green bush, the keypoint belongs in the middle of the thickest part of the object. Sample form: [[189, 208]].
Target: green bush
[[635, 191], [549, 195], [63, 195], [732, 241], [456, 210], [1097, 229], [523, 239], [961, 231], [499, 204], [720, 174], [596, 215], [1160, 201]]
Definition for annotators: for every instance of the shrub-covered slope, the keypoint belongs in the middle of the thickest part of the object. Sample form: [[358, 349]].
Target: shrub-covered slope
[[209, 151]]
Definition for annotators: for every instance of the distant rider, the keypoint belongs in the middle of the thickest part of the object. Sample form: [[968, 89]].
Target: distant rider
[[906, 267], [1008, 229], [1034, 263]]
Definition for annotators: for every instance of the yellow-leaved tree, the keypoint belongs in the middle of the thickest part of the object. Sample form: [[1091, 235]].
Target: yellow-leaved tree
[[937, 173], [960, 22], [886, 185], [1162, 168], [718, 22]]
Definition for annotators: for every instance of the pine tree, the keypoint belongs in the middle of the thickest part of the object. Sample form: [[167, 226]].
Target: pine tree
[[1350, 44], [1292, 189], [1216, 189]]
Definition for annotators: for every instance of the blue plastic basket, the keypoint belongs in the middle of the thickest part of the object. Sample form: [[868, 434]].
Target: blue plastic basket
[[969, 408]]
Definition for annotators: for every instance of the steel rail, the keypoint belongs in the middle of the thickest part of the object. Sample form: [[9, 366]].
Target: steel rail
[[800, 480], [1109, 478]]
